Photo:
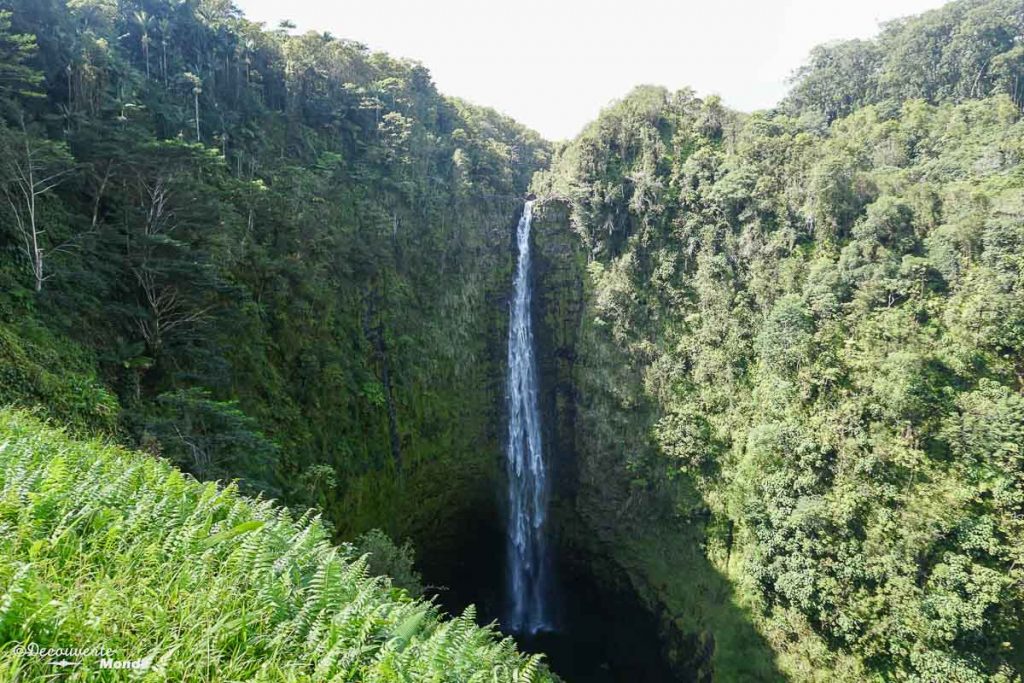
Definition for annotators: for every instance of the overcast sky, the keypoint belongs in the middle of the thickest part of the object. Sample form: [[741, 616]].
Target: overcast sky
[[553, 64]]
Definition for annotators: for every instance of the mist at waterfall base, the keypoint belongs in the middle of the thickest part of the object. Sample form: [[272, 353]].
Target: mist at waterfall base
[[517, 573]]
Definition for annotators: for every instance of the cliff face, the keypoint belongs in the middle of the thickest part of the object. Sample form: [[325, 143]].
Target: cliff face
[[597, 524], [326, 325], [559, 271], [455, 495]]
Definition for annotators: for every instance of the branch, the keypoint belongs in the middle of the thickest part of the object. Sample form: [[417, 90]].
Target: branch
[[51, 181]]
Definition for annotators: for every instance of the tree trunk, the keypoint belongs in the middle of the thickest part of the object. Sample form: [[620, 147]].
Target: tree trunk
[[37, 252]]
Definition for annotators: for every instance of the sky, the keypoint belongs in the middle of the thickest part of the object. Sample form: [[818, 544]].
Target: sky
[[554, 64]]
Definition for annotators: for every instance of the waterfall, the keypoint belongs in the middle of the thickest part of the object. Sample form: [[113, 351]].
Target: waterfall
[[527, 474]]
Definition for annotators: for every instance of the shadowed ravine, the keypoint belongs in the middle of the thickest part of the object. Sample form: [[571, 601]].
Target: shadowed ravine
[[604, 633], [588, 629], [520, 561], [605, 620]]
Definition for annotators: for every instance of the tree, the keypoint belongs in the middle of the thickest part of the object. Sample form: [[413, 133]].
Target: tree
[[197, 90], [143, 20], [167, 239], [30, 168], [165, 33], [167, 308], [213, 439], [17, 77]]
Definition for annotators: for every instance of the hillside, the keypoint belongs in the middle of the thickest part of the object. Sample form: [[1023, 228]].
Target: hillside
[[798, 369], [965, 50], [106, 548], [268, 257]]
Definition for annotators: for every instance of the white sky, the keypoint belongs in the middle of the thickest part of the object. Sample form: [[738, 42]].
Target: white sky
[[553, 64]]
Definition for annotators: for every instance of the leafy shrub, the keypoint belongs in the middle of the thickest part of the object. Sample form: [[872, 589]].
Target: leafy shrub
[[385, 558]]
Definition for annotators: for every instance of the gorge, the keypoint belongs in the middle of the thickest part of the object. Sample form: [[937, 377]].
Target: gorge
[[698, 395]]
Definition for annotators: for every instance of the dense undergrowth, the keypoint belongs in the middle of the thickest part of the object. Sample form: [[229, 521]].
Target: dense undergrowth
[[109, 551]]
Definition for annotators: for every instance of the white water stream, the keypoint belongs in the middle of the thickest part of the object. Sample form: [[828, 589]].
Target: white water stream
[[527, 473]]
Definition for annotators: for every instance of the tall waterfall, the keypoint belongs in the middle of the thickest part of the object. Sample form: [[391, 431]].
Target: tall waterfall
[[527, 476]]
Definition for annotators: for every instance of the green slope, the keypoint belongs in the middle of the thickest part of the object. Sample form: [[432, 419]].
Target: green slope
[[103, 547]]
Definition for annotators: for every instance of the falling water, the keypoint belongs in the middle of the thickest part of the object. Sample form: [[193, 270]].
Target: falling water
[[527, 476]]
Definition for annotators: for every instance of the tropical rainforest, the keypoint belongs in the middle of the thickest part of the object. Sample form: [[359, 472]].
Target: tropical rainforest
[[781, 356]]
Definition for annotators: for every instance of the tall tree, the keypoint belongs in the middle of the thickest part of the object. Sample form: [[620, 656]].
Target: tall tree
[[30, 169]]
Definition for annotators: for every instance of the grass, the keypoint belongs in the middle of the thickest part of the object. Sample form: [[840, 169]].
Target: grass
[[105, 548]]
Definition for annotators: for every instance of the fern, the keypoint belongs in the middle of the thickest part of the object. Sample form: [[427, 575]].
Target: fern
[[99, 546]]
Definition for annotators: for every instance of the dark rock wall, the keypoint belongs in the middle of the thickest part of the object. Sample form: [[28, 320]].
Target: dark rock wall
[[583, 533]]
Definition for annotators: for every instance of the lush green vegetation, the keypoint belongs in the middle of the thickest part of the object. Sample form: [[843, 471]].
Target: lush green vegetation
[[969, 49], [802, 351], [786, 349], [264, 256], [102, 548]]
